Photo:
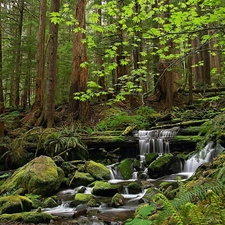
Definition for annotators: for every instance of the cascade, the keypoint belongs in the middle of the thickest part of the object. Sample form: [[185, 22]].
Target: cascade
[[155, 140], [204, 156]]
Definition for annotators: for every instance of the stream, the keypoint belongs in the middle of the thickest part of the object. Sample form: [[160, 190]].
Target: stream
[[149, 141]]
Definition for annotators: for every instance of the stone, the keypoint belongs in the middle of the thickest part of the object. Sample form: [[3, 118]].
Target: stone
[[39, 176]]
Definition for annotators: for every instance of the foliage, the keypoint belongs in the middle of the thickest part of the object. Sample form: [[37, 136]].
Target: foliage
[[212, 130], [52, 141], [121, 120], [147, 112], [192, 201], [142, 216]]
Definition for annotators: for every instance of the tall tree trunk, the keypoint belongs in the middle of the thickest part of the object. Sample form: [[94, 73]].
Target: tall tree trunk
[[38, 103], [16, 85], [99, 60], [2, 105], [49, 105], [79, 76], [167, 87]]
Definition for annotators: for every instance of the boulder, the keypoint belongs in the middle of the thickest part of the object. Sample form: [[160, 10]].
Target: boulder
[[103, 188], [39, 176], [117, 200], [162, 166], [50, 202], [81, 179], [81, 198], [97, 170], [26, 217], [15, 204], [126, 169]]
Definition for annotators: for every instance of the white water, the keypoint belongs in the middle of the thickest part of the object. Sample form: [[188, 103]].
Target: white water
[[155, 140], [204, 156]]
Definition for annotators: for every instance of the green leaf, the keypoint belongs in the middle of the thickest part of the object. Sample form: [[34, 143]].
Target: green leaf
[[138, 221], [146, 210]]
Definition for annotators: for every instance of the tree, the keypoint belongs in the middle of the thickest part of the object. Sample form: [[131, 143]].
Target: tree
[[79, 75], [2, 105], [49, 103], [40, 68], [16, 83]]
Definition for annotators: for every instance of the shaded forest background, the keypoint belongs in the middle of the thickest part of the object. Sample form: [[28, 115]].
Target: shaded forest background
[[132, 52]]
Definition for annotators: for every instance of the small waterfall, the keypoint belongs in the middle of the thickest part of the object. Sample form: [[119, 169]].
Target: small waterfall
[[204, 156], [155, 140]]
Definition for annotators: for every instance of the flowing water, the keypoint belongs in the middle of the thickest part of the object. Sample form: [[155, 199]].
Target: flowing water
[[157, 141]]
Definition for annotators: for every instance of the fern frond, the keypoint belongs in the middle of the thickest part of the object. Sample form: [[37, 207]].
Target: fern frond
[[194, 215], [167, 204], [216, 207]]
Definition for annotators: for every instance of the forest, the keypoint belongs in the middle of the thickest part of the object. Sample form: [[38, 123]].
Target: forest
[[77, 74], [83, 52]]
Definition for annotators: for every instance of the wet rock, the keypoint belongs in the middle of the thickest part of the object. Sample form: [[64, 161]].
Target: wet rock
[[162, 166], [103, 188], [26, 218], [81, 179], [126, 169], [117, 200], [39, 176], [50, 203], [134, 188], [81, 199], [14, 204], [97, 170]]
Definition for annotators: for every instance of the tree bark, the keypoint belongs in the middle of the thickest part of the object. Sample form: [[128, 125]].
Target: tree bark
[[16, 89], [79, 76], [2, 105], [38, 103], [49, 109]]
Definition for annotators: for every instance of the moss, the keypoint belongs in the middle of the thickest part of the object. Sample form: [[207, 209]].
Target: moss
[[15, 204], [36, 200], [125, 169], [81, 179], [159, 163], [107, 139], [98, 170], [103, 188], [150, 157], [39, 176], [81, 198], [117, 200], [193, 138], [27, 217], [134, 188], [50, 203]]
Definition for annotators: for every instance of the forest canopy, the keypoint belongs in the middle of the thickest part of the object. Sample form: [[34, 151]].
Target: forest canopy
[[81, 52]]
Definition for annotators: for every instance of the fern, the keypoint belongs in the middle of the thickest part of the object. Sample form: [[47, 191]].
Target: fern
[[193, 214], [160, 198], [215, 207], [198, 193]]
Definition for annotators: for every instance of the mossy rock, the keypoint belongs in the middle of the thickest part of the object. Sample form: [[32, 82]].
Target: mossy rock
[[97, 170], [50, 203], [27, 217], [103, 188], [134, 188], [81, 198], [93, 203], [117, 200], [15, 204], [126, 169], [162, 166], [39, 176], [36, 200], [150, 157], [81, 179]]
